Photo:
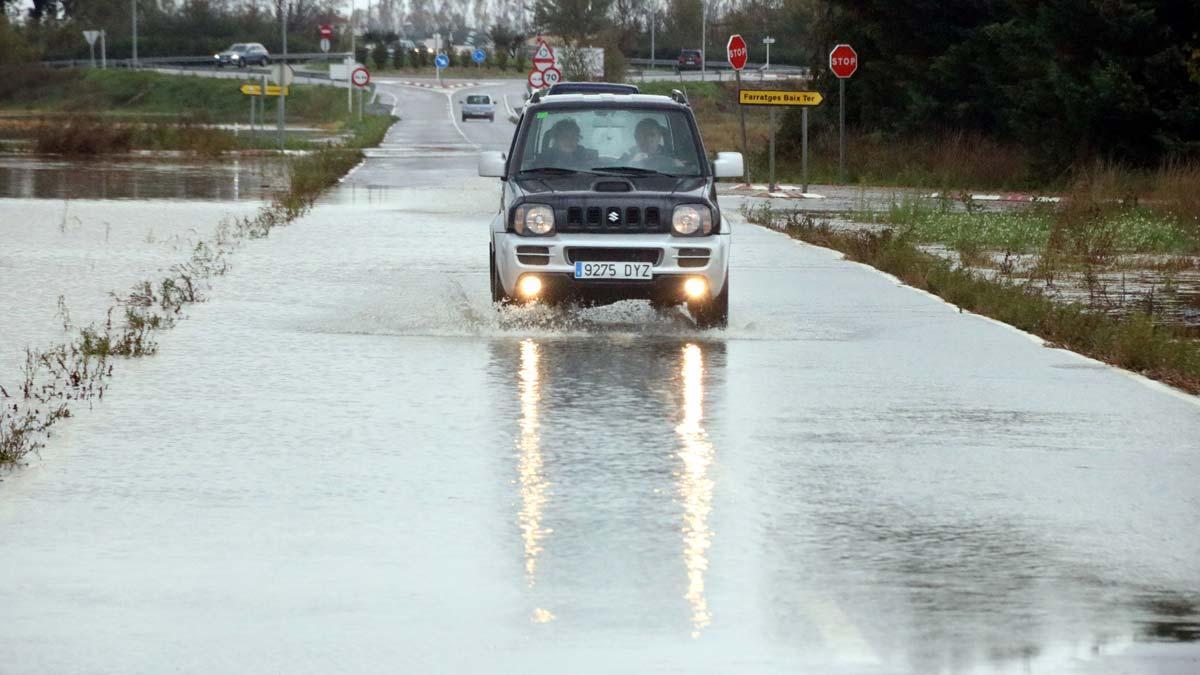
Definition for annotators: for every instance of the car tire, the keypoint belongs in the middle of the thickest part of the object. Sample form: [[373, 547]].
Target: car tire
[[241, 63], [265, 62], [499, 297], [491, 118], [715, 312], [464, 118]]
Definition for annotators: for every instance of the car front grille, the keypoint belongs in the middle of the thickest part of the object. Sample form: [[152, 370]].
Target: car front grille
[[597, 254], [615, 219]]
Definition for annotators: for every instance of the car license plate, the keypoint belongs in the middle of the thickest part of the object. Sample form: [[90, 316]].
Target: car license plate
[[613, 270]]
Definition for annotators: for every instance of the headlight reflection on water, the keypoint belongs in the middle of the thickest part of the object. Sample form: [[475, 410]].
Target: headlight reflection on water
[[695, 487], [533, 484]]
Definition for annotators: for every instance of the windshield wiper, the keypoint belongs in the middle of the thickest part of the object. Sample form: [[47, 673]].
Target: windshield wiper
[[555, 170], [636, 170]]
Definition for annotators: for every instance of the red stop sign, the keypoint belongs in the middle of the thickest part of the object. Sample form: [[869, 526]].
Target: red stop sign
[[736, 52], [843, 61]]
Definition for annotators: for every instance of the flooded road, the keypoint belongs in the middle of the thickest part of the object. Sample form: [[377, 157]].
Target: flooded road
[[349, 461]]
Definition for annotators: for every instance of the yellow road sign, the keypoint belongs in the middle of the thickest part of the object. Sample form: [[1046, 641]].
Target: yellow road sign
[[778, 97], [256, 90]]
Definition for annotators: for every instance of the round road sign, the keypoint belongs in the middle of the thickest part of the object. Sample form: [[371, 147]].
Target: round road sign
[[551, 76], [736, 52], [360, 77], [843, 61], [441, 61], [535, 79], [479, 56]]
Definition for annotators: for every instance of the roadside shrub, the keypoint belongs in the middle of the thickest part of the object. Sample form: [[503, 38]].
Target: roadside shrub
[[380, 56]]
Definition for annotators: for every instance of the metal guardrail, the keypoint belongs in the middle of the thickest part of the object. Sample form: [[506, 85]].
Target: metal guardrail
[[718, 65], [152, 61]]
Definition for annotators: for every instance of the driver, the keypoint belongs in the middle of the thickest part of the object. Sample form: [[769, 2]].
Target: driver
[[567, 152], [650, 150]]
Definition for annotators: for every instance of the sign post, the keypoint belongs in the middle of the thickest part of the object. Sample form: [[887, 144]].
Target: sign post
[[768, 41], [774, 99], [440, 61], [843, 61], [326, 33], [543, 62], [737, 54], [361, 77], [103, 50], [90, 36]]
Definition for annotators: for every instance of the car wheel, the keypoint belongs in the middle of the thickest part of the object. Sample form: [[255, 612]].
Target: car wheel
[[265, 62], [491, 118], [241, 63], [715, 312], [498, 294]]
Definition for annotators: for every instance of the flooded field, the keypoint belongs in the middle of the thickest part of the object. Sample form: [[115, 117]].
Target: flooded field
[[137, 177], [75, 232]]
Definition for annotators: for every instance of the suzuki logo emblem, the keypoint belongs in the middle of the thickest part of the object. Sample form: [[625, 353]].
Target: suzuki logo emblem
[[614, 215]]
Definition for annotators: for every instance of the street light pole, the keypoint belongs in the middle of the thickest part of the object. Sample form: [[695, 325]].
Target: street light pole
[[653, 20], [282, 79], [133, 6]]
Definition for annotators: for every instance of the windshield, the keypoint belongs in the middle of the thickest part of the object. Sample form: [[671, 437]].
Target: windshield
[[237, 48], [611, 140], [478, 99]]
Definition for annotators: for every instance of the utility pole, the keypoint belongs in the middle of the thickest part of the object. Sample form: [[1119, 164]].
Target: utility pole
[[653, 20], [133, 6], [282, 70]]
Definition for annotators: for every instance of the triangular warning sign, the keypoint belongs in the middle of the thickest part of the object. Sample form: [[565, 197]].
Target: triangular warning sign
[[543, 53]]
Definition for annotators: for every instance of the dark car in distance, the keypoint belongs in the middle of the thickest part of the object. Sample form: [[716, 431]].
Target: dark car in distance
[[690, 59]]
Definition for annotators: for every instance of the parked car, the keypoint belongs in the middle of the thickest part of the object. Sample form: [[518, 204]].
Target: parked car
[[479, 106], [608, 197], [690, 59], [242, 55]]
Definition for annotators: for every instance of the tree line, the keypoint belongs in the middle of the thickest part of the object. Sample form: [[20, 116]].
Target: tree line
[[1070, 80]]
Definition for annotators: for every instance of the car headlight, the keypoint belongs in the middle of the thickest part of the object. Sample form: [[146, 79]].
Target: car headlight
[[533, 219], [234, 56], [691, 219]]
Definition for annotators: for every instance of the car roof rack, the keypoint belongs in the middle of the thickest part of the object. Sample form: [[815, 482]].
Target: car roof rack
[[592, 88], [679, 97]]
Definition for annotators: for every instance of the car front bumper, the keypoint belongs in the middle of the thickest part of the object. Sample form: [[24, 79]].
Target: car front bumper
[[678, 259]]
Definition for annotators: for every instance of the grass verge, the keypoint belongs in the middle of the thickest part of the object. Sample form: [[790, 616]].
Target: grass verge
[[1134, 342], [153, 111]]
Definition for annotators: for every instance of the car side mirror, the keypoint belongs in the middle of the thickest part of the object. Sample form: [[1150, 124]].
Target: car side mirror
[[729, 165], [491, 164]]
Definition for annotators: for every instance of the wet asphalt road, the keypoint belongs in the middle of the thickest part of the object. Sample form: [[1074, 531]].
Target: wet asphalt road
[[348, 461]]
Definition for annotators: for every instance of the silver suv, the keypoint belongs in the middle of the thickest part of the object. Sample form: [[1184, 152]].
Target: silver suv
[[610, 197], [243, 54]]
